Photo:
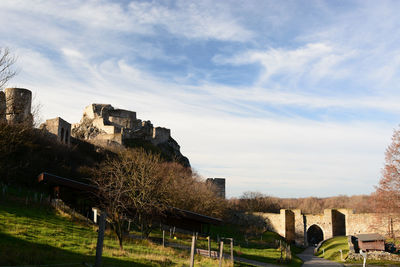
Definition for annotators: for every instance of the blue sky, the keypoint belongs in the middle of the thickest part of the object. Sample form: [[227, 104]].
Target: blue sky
[[288, 98]]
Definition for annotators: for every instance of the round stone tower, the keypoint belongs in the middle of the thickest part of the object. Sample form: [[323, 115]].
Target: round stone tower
[[18, 105]]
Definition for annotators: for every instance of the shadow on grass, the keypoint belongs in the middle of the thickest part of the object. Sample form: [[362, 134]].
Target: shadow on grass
[[14, 251]]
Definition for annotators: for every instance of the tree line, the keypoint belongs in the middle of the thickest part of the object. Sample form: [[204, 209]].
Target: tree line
[[258, 202]]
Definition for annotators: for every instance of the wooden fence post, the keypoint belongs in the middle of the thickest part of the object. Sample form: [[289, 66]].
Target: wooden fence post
[[100, 239], [193, 250], [163, 238], [232, 260], [221, 253], [209, 246]]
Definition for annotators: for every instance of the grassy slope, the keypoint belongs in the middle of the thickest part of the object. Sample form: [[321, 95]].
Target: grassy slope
[[333, 245], [33, 234], [332, 248], [255, 249]]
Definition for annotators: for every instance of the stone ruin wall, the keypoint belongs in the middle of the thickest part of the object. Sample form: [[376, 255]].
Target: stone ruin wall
[[15, 106], [371, 223], [161, 135], [117, 125], [58, 128], [274, 222], [293, 224]]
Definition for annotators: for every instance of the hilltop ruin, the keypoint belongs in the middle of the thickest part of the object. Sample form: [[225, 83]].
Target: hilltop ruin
[[105, 125], [101, 124]]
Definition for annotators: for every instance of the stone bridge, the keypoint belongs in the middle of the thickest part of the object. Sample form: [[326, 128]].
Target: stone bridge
[[309, 229]]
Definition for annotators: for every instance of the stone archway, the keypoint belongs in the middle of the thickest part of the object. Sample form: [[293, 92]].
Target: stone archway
[[314, 235]]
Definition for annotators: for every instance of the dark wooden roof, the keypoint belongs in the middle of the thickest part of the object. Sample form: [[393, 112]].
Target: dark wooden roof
[[370, 237], [52, 179]]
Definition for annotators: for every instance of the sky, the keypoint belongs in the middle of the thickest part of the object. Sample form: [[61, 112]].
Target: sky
[[286, 98]]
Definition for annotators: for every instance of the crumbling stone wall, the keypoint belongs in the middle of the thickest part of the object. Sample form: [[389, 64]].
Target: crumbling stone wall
[[104, 125], [59, 128], [18, 105], [161, 135]]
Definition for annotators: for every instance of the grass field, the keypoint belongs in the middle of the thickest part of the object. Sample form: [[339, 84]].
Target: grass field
[[333, 245], [332, 248], [35, 234]]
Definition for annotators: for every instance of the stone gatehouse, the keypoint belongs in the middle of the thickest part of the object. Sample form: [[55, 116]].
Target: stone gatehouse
[[308, 229]]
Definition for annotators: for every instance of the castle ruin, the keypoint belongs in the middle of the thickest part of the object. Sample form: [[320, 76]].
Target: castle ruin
[[15, 106], [58, 128], [308, 229], [105, 125], [101, 124]]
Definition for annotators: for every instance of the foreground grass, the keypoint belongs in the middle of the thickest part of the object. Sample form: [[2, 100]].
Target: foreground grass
[[35, 234], [332, 248], [332, 252], [262, 249]]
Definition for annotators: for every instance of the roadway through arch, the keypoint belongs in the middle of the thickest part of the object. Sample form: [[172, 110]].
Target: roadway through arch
[[314, 235]]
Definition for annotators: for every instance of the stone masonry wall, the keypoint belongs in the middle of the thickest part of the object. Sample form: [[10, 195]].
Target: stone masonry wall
[[18, 105], [273, 221], [299, 227], [59, 128], [333, 222]]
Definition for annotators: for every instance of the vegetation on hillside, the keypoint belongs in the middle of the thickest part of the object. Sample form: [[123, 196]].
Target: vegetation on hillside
[[33, 233], [258, 202]]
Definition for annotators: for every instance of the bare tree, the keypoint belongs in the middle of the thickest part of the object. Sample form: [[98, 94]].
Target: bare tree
[[130, 185], [7, 60], [387, 193]]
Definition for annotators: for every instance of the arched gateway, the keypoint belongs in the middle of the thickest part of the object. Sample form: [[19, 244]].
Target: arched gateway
[[309, 229], [314, 235]]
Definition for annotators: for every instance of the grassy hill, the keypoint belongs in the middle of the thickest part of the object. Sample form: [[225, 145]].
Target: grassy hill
[[35, 234]]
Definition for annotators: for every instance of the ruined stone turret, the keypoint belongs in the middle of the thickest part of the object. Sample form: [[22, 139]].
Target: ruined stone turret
[[18, 105]]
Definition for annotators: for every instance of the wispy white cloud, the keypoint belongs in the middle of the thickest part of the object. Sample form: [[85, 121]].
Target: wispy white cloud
[[262, 136], [199, 20], [314, 60]]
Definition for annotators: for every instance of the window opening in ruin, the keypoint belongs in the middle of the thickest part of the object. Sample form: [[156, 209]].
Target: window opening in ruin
[[62, 134], [314, 235], [66, 136]]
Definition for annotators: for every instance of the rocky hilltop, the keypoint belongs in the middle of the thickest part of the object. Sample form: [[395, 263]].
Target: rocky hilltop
[[105, 125]]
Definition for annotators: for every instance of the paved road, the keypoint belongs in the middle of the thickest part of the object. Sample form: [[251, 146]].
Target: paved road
[[310, 260]]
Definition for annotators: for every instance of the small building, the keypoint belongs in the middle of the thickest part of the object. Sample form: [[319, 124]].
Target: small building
[[371, 242], [59, 128]]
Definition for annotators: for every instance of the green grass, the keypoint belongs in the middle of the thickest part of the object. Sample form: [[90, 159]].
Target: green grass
[[332, 248], [35, 234], [32, 234], [258, 249]]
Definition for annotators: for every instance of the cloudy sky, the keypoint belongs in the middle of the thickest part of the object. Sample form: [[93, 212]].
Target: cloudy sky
[[288, 98]]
